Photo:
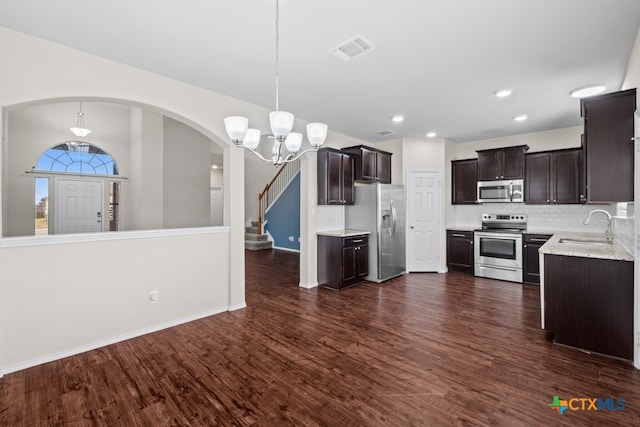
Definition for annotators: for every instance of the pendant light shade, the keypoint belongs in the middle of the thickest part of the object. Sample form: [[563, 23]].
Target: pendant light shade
[[316, 133], [236, 127], [251, 139], [80, 129], [293, 142], [281, 123]]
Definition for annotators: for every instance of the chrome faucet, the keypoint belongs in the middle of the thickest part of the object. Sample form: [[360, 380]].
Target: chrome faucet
[[607, 233]]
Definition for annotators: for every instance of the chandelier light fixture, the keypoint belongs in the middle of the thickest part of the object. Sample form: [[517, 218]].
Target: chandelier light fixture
[[80, 129], [281, 124]]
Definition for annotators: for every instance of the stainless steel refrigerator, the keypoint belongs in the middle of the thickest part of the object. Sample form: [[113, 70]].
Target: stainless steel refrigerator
[[380, 209]]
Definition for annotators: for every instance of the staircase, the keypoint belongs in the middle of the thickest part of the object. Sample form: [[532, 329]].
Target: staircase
[[254, 240]]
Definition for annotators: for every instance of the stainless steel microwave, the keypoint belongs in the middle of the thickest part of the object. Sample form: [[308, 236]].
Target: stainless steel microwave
[[508, 191]]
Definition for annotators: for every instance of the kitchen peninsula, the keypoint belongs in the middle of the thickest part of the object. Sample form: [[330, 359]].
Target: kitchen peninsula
[[586, 293]]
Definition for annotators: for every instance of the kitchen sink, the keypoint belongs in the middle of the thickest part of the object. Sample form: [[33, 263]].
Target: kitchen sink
[[585, 241]]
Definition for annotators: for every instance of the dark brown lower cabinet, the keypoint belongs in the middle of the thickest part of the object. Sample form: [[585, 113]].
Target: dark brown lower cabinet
[[460, 251], [589, 303], [531, 243], [342, 261]]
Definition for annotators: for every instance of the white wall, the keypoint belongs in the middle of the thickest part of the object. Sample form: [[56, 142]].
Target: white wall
[[37, 71], [105, 300], [186, 176], [142, 196]]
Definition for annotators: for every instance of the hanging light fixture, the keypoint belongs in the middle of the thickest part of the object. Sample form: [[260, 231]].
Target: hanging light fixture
[[80, 129], [281, 124]]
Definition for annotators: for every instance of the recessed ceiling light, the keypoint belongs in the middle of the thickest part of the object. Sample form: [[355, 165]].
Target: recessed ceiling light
[[520, 118], [503, 93], [431, 135], [583, 92], [397, 119]]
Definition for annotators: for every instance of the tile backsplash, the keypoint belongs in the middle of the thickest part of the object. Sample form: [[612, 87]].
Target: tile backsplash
[[539, 217], [552, 218]]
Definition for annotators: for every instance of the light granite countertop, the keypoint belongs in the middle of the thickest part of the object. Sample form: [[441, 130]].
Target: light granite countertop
[[561, 244], [343, 233]]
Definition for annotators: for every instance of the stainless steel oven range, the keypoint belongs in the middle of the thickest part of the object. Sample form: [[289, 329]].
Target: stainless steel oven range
[[498, 247]]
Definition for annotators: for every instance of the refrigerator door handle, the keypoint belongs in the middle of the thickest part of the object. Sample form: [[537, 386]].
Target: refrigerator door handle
[[394, 217]]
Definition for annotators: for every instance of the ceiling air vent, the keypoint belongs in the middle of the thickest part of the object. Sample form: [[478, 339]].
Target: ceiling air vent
[[352, 48], [385, 132]]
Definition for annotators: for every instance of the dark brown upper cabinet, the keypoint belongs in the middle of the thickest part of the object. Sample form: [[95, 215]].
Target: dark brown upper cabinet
[[608, 146], [554, 177], [501, 163], [335, 178], [464, 181], [371, 165]]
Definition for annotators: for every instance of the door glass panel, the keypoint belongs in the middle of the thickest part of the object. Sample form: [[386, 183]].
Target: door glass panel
[[42, 206]]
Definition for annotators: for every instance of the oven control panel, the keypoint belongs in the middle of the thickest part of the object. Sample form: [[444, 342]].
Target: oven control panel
[[505, 217]]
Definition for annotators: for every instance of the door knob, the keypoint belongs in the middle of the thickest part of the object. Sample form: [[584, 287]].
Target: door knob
[[412, 227]]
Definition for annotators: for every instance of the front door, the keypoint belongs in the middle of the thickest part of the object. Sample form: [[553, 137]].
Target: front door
[[424, 221], [79, 206]]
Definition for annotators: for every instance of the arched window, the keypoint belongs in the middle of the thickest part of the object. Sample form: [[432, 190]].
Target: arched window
[[77, 157]]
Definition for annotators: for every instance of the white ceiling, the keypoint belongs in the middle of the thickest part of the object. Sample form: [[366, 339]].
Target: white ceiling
[[437, 62]]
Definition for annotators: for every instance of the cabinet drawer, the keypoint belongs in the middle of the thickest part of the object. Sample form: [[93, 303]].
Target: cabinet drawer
[[355, 240], [536, 238], [460, 234]]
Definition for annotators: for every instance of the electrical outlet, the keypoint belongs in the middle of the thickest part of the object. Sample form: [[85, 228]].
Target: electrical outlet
[[291, 238], [154, 297]]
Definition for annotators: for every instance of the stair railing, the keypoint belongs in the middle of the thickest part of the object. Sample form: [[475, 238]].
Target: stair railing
[[273, 189]]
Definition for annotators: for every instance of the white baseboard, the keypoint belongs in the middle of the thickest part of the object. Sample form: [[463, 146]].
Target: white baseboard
[[286, 249], [308, 285], [238, 306], [102, 343]]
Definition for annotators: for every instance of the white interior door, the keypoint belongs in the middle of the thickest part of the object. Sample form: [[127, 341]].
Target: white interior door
[[424, 204], [79, 206], [216, 206]]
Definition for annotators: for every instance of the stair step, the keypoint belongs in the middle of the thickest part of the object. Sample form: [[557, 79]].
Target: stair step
[[257, 245], [253, 230], [254, 224], [255, 237]]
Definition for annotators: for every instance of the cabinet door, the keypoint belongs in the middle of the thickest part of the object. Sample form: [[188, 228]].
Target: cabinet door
[[334, 178], [537, 185], [348, 193], [464, 181], [362, 261], [608, 128], [512, 163], [383, 168], [349, 265], [369, 164], [530, 257], [488, 167], [566, 182], [589, 303], [460, 252]]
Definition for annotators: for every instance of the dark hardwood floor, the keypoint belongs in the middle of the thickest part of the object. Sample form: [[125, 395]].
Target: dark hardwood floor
[[422, 349]]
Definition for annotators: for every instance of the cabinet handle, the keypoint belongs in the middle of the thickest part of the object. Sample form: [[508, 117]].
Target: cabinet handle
[[358, 241], [538, 240], [548, 201], [497, 177], [456, 234], [501, 176], [554, 200], [525, 246]]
